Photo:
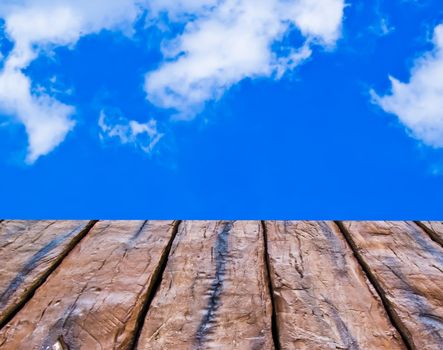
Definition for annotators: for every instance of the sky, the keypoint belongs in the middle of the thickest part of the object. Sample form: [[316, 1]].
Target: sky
[[221, 109]]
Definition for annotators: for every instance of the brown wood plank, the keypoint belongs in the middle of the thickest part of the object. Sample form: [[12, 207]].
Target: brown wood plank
[[214, 293], [408, 269], [94, 298], [322, 297], [29, 250], [434, 229]]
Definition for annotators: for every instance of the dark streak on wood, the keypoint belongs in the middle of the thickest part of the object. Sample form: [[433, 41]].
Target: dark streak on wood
[[31, 264], [221, 249], [212, 301], [237, 290], [98, 296]]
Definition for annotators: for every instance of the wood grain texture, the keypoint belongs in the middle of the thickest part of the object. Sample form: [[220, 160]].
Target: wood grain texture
[[214, 293], [434, 229], [322, 297], [94, 298], [408, 268], [29, 250]]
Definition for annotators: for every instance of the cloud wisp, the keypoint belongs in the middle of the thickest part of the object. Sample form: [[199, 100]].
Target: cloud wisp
[[222, 43], [143, 136], [418, 103]]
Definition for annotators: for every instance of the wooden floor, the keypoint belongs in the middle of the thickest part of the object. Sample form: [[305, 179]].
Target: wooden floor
[[221, 285]]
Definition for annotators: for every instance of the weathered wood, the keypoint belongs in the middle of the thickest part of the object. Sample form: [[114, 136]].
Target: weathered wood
[[214, 293], [29, 250], [407, 268], [95, 298], [434, 230], [322, 297]]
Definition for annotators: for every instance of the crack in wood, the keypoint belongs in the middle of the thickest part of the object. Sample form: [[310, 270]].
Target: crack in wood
[[434, 236], [60, 345]]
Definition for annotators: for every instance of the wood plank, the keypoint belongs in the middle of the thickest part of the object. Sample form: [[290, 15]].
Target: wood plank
[[214, 293], [29, 250], [322, 297], [434, 229], [407, 268], [96, 296]]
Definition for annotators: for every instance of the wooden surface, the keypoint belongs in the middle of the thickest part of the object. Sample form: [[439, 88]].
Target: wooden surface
[[407, 267], [29, 250], [214, 291], [434, 229], [220, 285], [92, 301], [322, 297]]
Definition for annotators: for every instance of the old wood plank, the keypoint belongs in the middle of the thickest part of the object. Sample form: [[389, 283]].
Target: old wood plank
[[407, 268], [95, 298], [29, 250], [214, 293], [434, 230], [322, 297]]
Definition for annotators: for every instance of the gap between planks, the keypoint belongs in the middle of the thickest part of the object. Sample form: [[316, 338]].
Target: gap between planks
[[32, 289], [274, 325], [151, 292], [158, 276], [406, 337]]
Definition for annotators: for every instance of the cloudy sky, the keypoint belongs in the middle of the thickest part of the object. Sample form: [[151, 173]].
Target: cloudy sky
[[221, 108]]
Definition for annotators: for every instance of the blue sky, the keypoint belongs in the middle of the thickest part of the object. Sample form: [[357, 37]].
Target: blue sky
[[171, 109]]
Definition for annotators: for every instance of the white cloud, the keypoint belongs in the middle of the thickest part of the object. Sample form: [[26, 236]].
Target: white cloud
[[142, 135], [46, 120], [37, 25], [231, 40], [223, 42], [419, 102]]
